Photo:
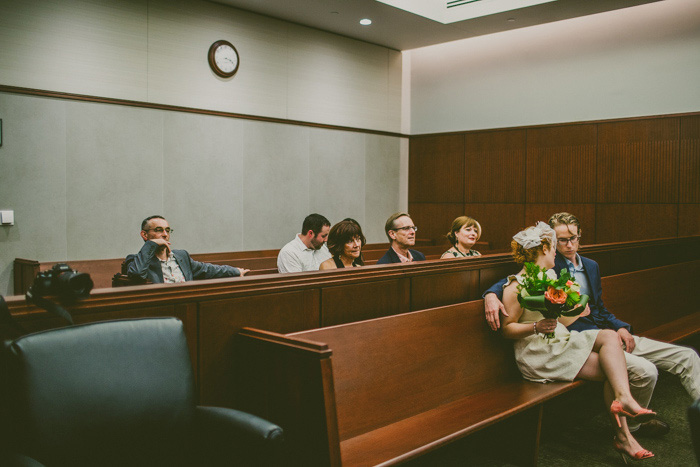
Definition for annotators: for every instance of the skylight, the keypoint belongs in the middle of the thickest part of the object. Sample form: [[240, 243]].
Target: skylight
[[451, 11]]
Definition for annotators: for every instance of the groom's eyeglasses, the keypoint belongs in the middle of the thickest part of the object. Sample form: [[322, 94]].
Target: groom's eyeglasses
[[573, 240]]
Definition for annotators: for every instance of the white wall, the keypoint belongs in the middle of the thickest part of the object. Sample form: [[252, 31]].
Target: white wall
[[81, 176], [633, 62]]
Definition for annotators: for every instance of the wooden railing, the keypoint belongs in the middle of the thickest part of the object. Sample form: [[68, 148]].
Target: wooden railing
[[258, 261]]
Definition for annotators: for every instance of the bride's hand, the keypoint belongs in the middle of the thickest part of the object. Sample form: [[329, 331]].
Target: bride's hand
[[545, 326]]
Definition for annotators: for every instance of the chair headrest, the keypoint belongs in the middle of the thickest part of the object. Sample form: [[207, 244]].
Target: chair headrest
[[125, 382]]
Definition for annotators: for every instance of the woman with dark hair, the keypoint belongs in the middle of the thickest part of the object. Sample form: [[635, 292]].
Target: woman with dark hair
[[465, 232], [345, 242], [592, 354]]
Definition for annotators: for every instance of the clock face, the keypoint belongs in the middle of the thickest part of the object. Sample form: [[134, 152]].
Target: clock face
[[223, 58]]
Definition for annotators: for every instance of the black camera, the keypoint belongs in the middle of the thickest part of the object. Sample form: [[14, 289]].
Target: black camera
[[62, 281]]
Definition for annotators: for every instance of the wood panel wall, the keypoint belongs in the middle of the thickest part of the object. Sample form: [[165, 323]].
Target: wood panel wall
[[625, 179]]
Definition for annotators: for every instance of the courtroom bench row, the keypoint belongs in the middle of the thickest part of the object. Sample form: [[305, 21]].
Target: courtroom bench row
[[386, 390], [214, 310]]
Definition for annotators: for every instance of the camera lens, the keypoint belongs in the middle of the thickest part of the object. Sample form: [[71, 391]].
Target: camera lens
[[74, 284]]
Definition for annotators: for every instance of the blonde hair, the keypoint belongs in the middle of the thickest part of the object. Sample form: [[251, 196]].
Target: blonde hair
[[564, 218], [460, 222]]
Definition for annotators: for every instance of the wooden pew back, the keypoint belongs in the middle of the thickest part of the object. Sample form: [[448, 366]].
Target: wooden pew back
[[652, 298], [259, 262], [392, 368]]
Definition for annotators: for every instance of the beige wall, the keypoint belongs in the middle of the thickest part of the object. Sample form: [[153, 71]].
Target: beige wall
[[81, 176], [155, 51], [632, 62]]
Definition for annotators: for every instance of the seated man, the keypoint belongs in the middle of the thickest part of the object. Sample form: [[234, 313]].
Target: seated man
[[158, 263], [308, 249], [401, 233], [643, 355]]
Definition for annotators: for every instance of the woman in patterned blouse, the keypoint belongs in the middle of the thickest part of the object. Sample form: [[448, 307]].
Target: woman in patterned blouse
[[465, 232]]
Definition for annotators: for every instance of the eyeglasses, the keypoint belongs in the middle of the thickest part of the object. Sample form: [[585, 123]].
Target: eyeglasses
[[573, 240], [407, 228], [161, 230]]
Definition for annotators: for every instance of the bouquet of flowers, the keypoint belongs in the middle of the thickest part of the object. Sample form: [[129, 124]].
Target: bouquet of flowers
[[542, 291]]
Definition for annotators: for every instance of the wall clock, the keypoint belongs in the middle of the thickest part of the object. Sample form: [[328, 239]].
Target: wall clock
[[223, 58]]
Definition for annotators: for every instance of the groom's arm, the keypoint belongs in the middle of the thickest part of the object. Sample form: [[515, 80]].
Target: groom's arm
[[493, 304]]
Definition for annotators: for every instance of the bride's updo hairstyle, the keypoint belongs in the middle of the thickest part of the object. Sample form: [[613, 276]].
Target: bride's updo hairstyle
[[529, 243]]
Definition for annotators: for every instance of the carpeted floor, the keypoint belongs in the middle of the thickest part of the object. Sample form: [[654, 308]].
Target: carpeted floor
[[586, 440], [576, 432]]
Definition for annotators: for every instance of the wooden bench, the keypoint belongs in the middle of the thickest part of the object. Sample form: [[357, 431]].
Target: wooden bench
[[214, 310], [382, 391]]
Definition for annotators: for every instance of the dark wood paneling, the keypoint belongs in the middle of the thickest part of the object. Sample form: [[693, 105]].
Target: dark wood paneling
[[495, 167], [366, 300], [219, 320], [638, 161], [454, 287], [434, 220], [437, 165], [499, 222], [584, 212], [626, 222], [688, 219], [689, 183], [561, 164]]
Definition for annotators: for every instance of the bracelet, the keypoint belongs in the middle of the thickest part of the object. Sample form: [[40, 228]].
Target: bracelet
[[534, 328]]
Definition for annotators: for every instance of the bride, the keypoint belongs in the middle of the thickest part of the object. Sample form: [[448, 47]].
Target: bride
[[593, 354]]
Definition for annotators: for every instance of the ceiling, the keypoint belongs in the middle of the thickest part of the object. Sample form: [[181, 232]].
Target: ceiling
[[400, 30]]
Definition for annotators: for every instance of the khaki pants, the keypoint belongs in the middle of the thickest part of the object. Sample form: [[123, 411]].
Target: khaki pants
[[648, 356]]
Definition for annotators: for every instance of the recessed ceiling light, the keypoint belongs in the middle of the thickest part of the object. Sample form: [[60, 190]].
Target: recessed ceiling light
[[365, 22]]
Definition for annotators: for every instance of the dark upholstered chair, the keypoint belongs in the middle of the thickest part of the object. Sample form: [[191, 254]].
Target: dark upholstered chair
[[694, 419], [121, 393]]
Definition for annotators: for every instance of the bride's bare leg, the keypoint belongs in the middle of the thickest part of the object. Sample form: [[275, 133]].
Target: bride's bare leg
[[622, 432], [607, 361]]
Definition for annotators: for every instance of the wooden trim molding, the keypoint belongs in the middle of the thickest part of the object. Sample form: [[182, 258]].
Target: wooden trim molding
[[193, 110], [557, 125]]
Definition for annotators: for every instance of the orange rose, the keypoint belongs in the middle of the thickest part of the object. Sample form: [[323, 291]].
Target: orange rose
[[555, 295], [569, 283]]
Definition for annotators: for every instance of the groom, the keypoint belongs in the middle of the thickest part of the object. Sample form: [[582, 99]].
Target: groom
[[643, 355]]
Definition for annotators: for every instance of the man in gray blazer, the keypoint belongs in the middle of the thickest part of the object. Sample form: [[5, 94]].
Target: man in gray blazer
[[159, 263]]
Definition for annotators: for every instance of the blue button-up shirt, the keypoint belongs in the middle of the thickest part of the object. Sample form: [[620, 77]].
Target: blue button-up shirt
[[579, 275]]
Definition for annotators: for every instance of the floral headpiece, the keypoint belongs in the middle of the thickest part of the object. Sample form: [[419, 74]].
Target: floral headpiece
[[532, 236]]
